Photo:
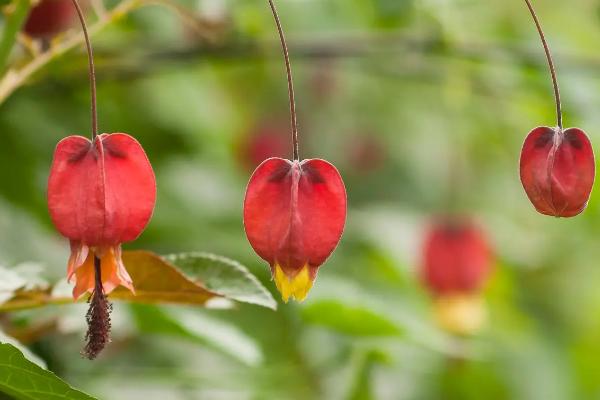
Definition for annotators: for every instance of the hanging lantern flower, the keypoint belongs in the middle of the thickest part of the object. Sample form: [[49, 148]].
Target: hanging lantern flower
[[557, 165], [456, 264], [294, 211], [101, 193]]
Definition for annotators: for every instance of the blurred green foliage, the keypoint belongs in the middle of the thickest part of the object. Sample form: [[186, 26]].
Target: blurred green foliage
[[445, 90]]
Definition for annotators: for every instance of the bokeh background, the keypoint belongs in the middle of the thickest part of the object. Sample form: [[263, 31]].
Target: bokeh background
[[422, 105]]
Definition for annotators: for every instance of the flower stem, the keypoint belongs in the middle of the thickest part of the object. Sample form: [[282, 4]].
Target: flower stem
[[288, 68], [550, 64], [92, 70]]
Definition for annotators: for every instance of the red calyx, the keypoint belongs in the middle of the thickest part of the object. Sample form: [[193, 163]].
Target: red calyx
[[294, 216], [456, 258], [557, 170], [49, 18], [100, 195]]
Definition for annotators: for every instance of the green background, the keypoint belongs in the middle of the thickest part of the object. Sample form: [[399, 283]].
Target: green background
[[441, 93]]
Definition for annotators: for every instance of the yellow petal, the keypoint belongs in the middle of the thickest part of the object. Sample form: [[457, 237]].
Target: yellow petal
[[295, 287], [460, 314]]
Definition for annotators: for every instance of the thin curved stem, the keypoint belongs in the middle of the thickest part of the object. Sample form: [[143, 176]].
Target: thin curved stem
[[92, 72], [288, 68], [550, 64]]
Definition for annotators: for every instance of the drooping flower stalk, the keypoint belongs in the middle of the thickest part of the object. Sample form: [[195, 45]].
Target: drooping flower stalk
[[290, 81], [550, 61]]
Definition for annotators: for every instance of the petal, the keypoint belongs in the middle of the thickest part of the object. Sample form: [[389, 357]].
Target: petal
[[85, 277], [75, 191], [102, 194], [573, 173], [112, 272], [294, 213], [130, 188], [79, 253], [115, 273], [460, 314], [295, 287], [557, 170]]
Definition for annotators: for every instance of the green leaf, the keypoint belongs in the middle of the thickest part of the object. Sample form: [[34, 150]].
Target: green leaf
[[196, 279], [24, 380], [349, 320], [224, 276], [4, 338], [362, 388], [158, 281], [195, 326]]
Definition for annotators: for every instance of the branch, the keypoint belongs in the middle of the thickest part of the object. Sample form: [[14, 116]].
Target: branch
[[13, 79], [16, 14]]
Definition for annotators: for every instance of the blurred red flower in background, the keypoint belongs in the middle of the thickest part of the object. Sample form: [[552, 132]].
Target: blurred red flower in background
[[49, 18], [457, 262]]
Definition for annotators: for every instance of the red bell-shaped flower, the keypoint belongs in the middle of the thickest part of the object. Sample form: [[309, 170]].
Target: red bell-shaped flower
[[456, 258], [456, 264], [294, 216], [49, 18], [557, 170], [100, 195]]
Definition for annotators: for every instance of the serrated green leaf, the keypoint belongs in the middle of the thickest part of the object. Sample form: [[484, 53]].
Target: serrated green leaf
[[158, 281], [4, 338], [23, 380], [350, 320], [191, 279], [223, 276]]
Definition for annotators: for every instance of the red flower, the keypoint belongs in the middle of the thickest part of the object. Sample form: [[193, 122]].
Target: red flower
[[100, 195], [294, 216], [49, 18], [456, 258], [557, 170]]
